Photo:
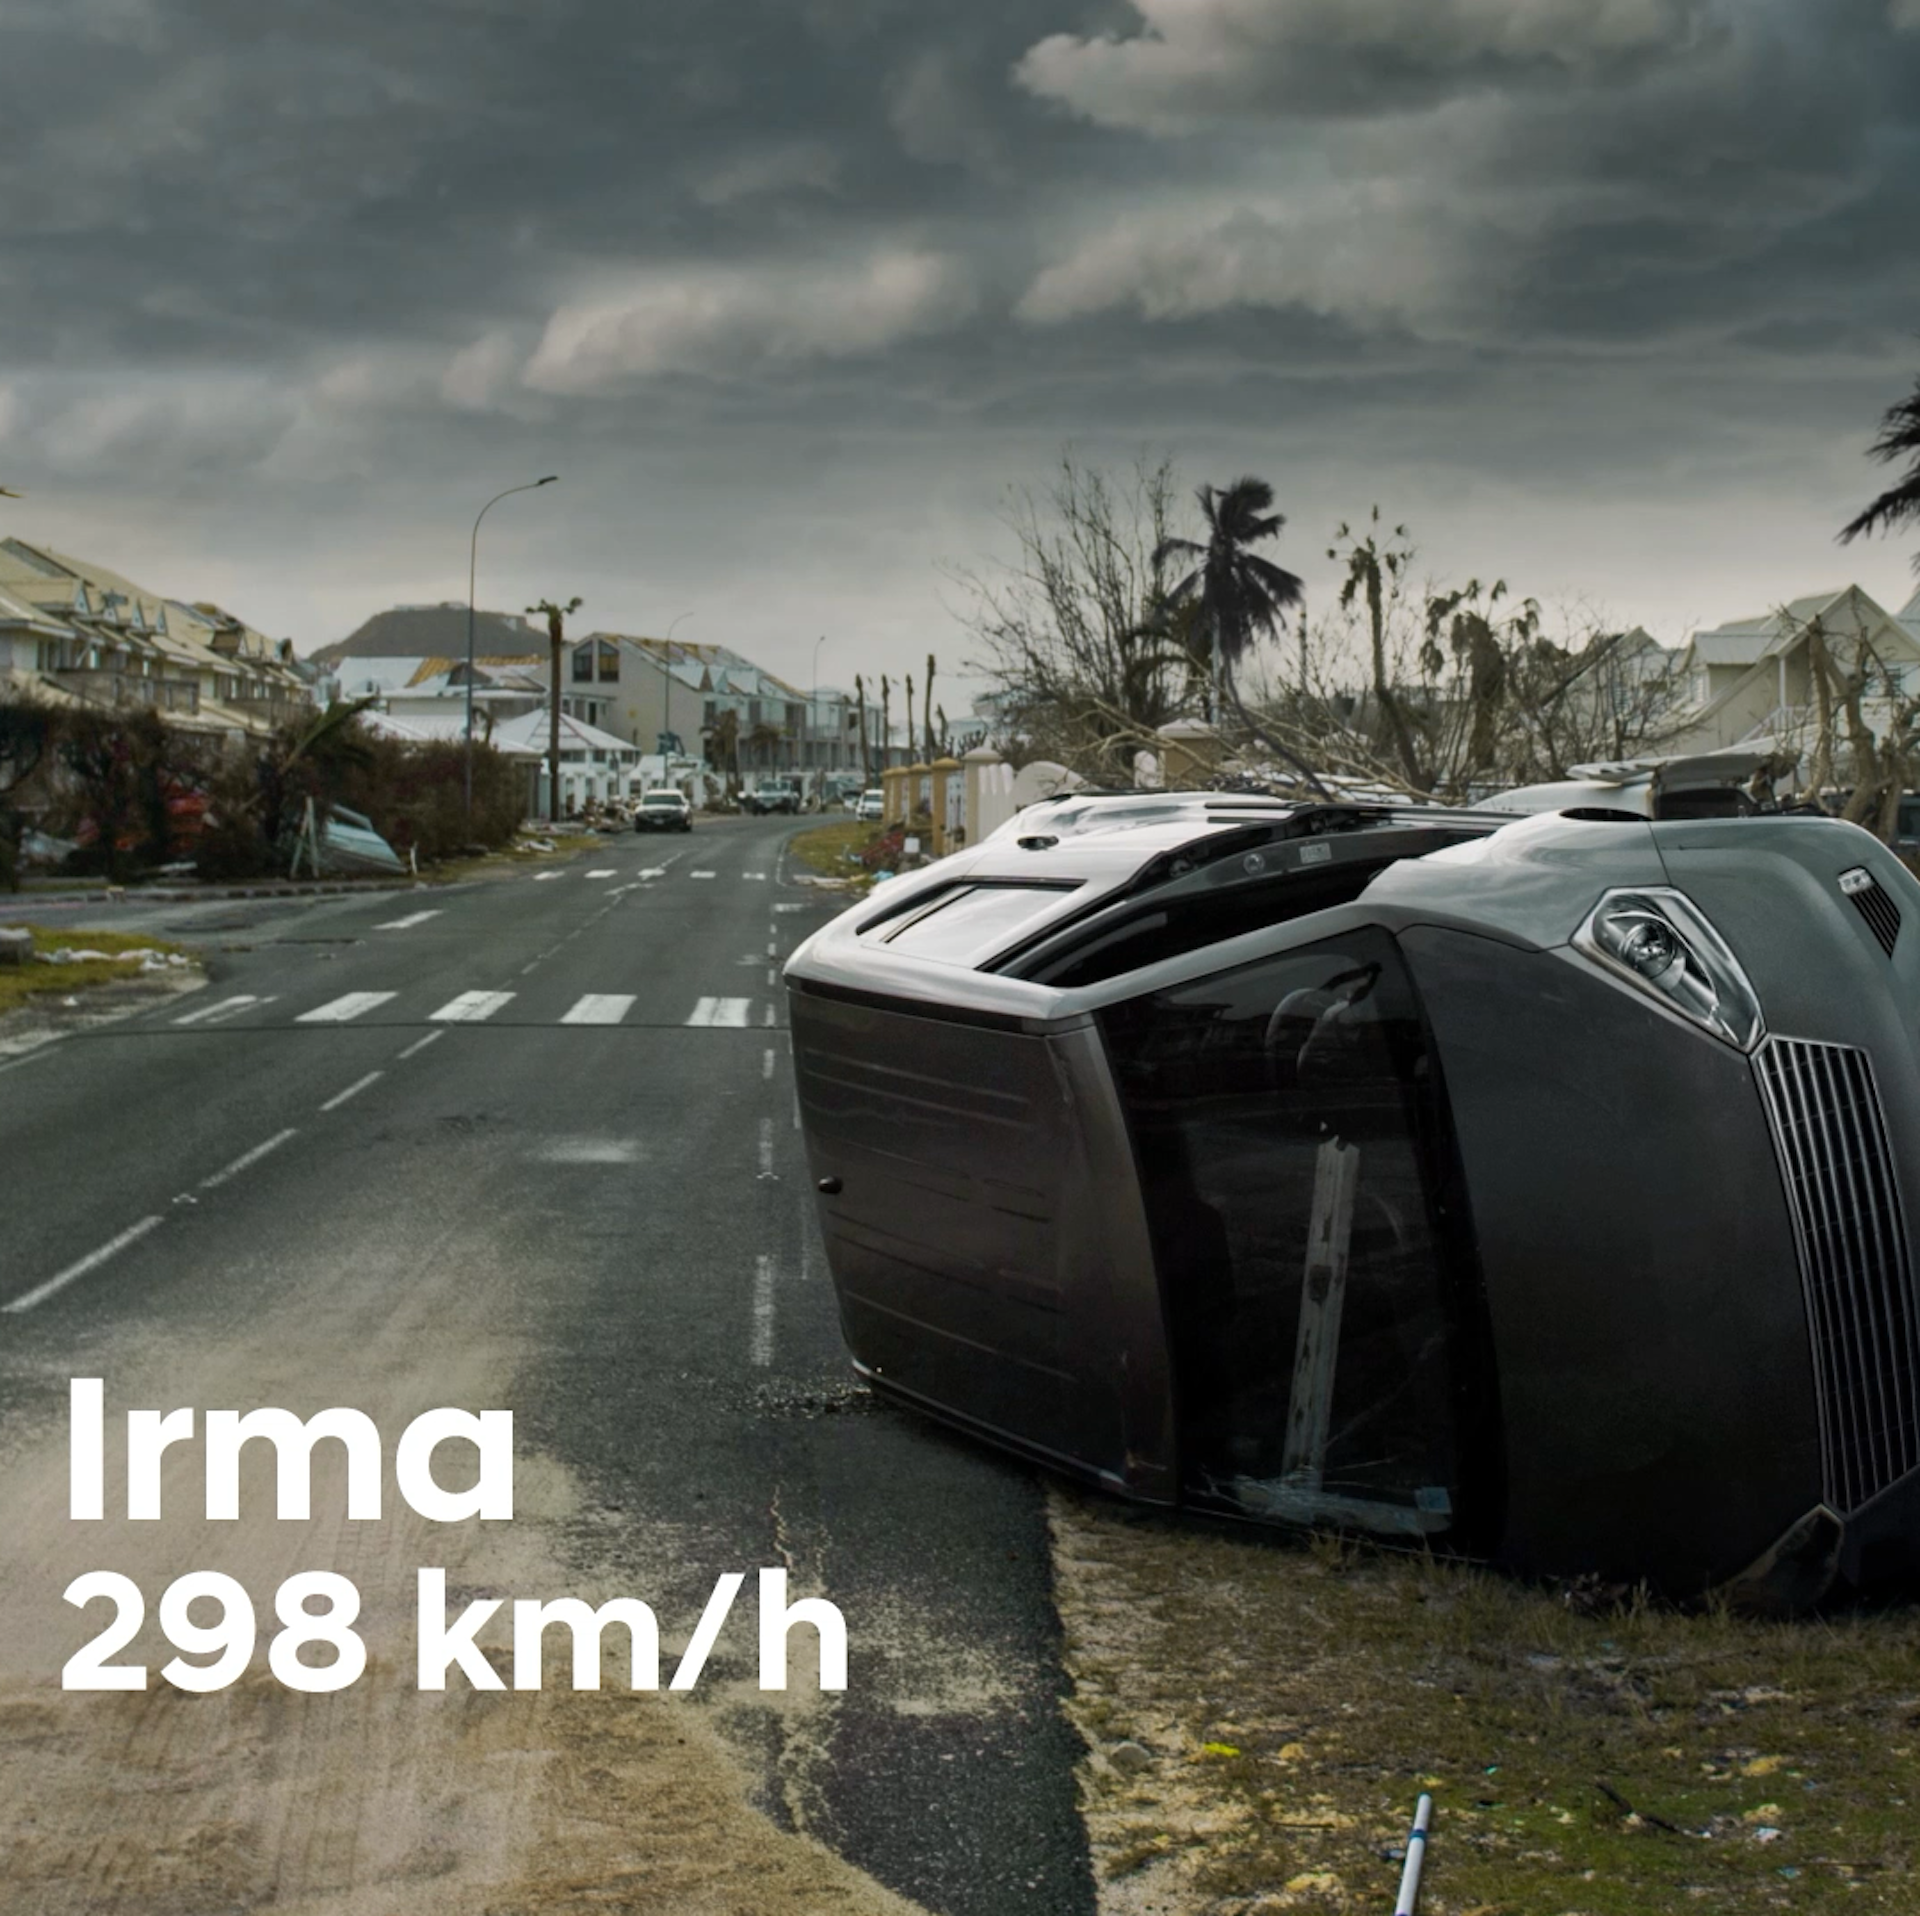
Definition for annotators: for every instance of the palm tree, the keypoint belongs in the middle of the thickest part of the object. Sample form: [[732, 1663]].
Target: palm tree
[[860, 694], [1242, 596], [557, 617], [723, 746], [761, 740], [1899, 505], [1374, 571]]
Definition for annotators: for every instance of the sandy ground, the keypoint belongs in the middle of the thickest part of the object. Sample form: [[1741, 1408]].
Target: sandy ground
[[377, 1798]]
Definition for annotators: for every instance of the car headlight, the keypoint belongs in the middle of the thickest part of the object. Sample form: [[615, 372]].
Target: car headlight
[[1660, 942]]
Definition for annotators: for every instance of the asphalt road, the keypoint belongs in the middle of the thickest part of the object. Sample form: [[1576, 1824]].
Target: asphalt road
[[553, 1116]]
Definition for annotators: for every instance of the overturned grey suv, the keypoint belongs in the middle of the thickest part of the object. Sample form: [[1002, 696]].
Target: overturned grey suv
[[1539, 1188]]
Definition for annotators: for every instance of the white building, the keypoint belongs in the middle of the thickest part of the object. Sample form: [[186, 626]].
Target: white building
[[74, 633], [1750, 678]]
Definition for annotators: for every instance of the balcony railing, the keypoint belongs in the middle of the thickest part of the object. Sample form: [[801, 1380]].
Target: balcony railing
[[275, 707], [180, 696]]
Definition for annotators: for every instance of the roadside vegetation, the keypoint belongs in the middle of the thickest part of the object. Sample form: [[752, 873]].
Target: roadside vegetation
[[37, 977], [514, 856], [850, 849], [133, 794], [1123, 608], [1261, 1715]]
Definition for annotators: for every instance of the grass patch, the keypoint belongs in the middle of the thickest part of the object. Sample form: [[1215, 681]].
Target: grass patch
[[18, 983], [511, 858], [1292, 1700], [833, 850]]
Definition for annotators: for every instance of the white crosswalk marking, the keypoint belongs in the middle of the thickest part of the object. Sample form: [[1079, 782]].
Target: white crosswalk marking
[[600, 1008], [411, 919], [721, 1011], [339, 1010], [652, 871], [700, 874], [759, 875], [470, 1007], [214, 1014]]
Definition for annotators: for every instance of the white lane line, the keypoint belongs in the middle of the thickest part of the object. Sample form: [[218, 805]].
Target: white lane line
[[352, 1091], [766, 1147], [721, 1011], [470, 1008], [91, 1262], [339, 1010], [759, 875], [420, 1044], [533, 966], [224, 1009], [766, 1062], [768, 1019], [760, 1344], [652, 871], [600, 1008], [247, 1159], [700, 874], [607, 872], [411, 919], [773, 948], [773, 974], [538, 876], [789, 907]]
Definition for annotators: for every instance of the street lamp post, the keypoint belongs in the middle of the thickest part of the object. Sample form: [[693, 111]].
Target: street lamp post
[[813, 703], [666, 693], [473, 559]]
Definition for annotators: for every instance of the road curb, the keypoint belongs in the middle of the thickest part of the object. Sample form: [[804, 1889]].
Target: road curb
[[213, 894]]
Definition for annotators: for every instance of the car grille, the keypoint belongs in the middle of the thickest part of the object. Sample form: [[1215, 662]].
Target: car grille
[[1873, 904], [1831, 1138]]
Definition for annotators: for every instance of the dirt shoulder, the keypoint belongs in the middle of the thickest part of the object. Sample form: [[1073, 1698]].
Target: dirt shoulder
[[1262, 1715], [379, 1799], [98, 976]]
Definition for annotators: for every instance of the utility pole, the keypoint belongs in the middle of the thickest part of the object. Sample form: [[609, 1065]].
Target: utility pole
[[557, 616]]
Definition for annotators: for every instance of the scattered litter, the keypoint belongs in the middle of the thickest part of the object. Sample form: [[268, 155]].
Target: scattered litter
[[144, 956]]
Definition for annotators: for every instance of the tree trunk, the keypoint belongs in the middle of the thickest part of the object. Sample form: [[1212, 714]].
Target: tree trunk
[[1389, 703]]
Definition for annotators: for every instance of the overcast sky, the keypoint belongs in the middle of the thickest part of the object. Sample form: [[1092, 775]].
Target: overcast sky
[[1604, 296]]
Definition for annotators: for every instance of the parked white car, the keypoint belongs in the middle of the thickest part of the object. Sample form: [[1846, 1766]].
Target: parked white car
[[873, 804]]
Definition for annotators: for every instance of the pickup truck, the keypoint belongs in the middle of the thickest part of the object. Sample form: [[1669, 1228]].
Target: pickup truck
[[771, 795]]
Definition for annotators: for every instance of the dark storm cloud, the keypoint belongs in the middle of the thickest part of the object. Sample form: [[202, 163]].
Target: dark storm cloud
[[332, 168], [825, 261]]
